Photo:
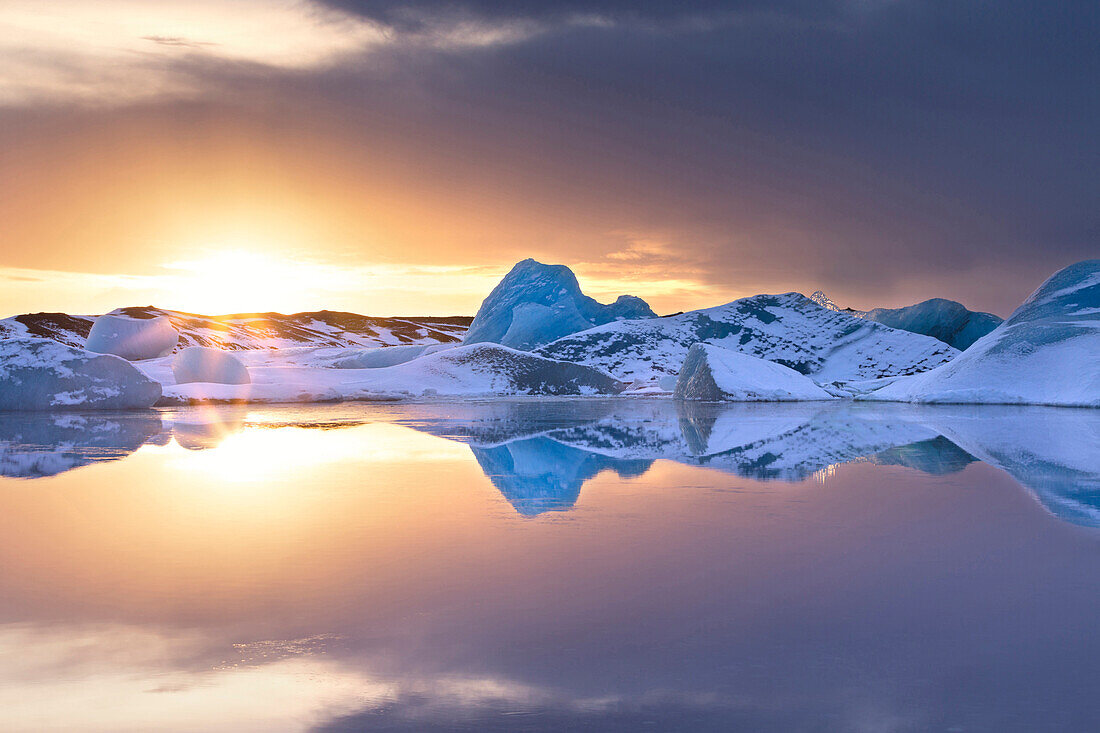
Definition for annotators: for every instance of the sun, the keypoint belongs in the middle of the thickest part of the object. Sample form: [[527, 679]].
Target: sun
[[243, 281]]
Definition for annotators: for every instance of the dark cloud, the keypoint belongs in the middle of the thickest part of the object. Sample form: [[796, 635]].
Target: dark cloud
[[418, 14], [863, 143]]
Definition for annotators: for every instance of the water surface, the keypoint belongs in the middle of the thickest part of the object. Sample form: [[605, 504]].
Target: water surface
[[541, 565]]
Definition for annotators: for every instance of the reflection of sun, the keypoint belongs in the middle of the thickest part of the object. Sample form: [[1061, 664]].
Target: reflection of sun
[[259, 455]]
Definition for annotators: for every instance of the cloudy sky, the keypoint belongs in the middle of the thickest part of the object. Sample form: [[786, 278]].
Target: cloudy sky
[[397, 158]]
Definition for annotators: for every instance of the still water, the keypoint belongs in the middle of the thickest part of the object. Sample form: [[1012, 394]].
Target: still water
[[616, 565]]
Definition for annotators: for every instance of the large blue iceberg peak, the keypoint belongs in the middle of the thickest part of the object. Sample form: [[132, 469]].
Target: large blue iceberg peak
[[535, 304]]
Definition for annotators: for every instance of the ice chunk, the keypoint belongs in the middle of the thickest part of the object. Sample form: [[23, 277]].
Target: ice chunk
[[1046, 353], [946, 320], [204, 364], [132, 338], [715, 374], [536, 303], [40, 374]]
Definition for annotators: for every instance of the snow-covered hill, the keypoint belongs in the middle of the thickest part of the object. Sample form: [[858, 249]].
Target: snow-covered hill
[[255, 330], [305, 375], [789, 329], [1046, 353], [946, 320], [536, 303]]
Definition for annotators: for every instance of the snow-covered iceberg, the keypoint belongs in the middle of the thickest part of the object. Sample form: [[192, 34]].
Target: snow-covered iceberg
[[946, 320], [40, 374], [536, 303], [789, 329], [212, 366], [1046, 353], [132, 338], [715, 374]]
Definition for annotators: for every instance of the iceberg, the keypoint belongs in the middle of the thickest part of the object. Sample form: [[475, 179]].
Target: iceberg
[[40, 374], [204, 364], [1046, 353], [830, 347], [535, 304], [946, 320], [132, 338], [715, 374]]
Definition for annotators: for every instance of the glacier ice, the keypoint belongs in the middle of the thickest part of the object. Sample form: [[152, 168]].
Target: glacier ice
[[208, 365], [789, 329], [1046, 353], [40, 374], [946, 320], [714, 374], [535, 304], [132, 338]]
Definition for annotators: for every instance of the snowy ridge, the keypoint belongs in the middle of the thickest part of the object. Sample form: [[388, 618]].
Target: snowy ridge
[[256, 330], [789, 329]]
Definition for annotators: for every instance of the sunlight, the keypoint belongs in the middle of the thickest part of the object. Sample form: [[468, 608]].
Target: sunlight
[[245, 281]]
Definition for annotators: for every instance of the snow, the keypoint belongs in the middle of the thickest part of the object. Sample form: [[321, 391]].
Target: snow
[[204, 364], [132, 338], [41, 374], [942, 319], [716, 374], [477, 370], [535, 304], [788, 329], [386, 356], [1046, 353]]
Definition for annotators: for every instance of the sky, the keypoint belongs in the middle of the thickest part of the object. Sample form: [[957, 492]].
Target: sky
[[398, 158]]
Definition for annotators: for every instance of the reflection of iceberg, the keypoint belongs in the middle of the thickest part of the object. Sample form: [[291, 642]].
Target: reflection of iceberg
[[787, 442], [1054, 452], [33, 445], [538, 475], [540, 454], [937, 456]]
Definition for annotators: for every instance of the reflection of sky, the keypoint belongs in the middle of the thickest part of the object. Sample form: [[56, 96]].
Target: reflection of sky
[[372, 576]]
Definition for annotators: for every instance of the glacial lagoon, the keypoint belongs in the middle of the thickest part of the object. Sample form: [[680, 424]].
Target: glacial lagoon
[[544, 565]]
